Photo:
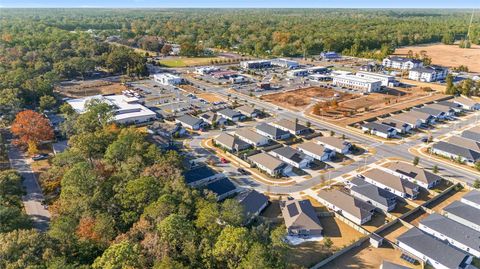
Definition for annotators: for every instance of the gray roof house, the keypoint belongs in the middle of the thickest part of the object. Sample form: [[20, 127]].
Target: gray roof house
[[394, 184], [472, 133], [316, 151], [399, 126], [372, 194], [271, 132], [231, 142], [269, 164], [407, 118], [253, 203], [466, 103], [201, 175], [458, 235], [452, 105], [432, 251], [464, 214], [189, 121], [391, 265], [438, 114], [292, 156], [472, 198], [414, 174], [231, 114], [379, 129], [465, 142], [425, 118], [211, 118], [348, 206], [334, 143], [248, 111], [293, 127], [222, 188], [300, 218], [253, 138], [456, 152], [443, 107]]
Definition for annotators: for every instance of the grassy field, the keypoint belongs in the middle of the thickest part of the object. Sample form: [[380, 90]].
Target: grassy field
[[183, 62]]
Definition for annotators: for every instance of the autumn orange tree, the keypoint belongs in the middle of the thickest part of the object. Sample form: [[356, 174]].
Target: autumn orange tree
[[31, 128]]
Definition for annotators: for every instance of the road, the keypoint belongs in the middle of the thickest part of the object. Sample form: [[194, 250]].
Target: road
[[32, 201]]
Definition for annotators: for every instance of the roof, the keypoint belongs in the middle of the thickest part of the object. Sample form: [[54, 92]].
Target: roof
[[300, 214], [457, 150], [393, 122], [378, 127], [229, 113], [271, 130], [371, 191], [403, 59], [332, 141], [189, 120], [440, 107], [391, 265], [404, 117], [221, 186], [454, 230], [291, 125], [198, 173], [267, 161], [465, 142], [428, 110], [313, 148], [449, 104], [463, 211], [471, 135], [208, 116], [347, 203], [413, 171], [358, 78], [429, 69], [373, 74], [433, 248], [419, 115], [394, 182], [472, 196], [230, 141], [247, 109], [465, 101], [251, 201], [290, 153], [250, 135]]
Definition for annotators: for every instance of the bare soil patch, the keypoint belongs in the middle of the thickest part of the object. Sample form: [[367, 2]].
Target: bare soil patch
[[77, 89], [211, 97]]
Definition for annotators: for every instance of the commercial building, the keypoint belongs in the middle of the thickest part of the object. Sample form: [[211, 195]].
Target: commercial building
[[204, 70], [271, 132], [127, 110], [316, 151], [387, 80], [167, 79], [300, 218], [394, 184], [428, 73], [348, 206], [358, 83], [330, 55], [253, 138], [401, 63], [297, 73], [269, 164], [257, 64], [285, 63], [292, 156], [369, 193]]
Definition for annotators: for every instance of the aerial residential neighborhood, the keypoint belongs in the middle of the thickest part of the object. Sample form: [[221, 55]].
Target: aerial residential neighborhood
[[140, 135]]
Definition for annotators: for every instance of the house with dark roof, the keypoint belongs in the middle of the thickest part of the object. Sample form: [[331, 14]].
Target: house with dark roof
[[346, 205], [405, 118], [379, 129], [457, 108], [230, 142], [222, 188], [413, 174], [455, 152], [231, 114], [456, 234], [253, 138], [463, 213], [466, 103], [472, 133], [472, 198], [391, 265], [380, 198], [253, 203], [465, 142], [248, 111], [399, 126], [334, 143], [435, 112], [269, 164], [432, 251], [402, 63], [292, 156], [300, 218], [292, 127], [316, 151], [271, 132], [201, 175], [189, 121], [425, 118], [394, 184], [428, 73]]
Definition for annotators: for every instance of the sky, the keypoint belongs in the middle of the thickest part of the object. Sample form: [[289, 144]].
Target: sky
[[243, 3]]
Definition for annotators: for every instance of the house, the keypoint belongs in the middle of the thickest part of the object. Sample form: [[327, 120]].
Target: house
[[391, 265], [231, 143], [472, 133], [271, 132], [167, 79], [269, 164], [253, 138], [212, 118], [201, 175], [456, 234], [399, 126], [401, 63], [424, 118], [297, 73], [127, 110], [292, 156], [253, 203], [413, 174], [334, 143], [316, 151], [432, 251], [363, 84], [378, 129], [300, 218], [231, 114], [248, 111], [386, 80], [346, 205], [221, 188], [394, 184], [457, 108], [256, 64], [465, 142], [292, 127], [166, 129], [369, 193], [447, 110], [189, 121], [428, 73], [437, 114], [284, 63], [455, 152], [466, 103], [472, 198], [412, 121], [463, 213], [330, 55]]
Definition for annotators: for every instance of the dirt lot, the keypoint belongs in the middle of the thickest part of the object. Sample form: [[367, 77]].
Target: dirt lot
[[454, 195], [448, 55], [368, 257], [392, 232], [189, 89], [340, 233], [90, 87], [210, 97]]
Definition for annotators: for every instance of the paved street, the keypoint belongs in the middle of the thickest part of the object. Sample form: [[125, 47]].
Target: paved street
[[34, 197]]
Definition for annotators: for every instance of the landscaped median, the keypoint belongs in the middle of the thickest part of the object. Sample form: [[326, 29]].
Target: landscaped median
[[208, 144]]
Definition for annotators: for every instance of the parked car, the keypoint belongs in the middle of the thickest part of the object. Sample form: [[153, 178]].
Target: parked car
[[223, 160], [243, 171], [39, 157]]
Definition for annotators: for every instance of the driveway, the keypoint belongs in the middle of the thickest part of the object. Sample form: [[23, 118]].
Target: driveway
[[34, 197]]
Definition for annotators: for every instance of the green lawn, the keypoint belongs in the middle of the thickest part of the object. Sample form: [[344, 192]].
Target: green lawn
[[183, 62]]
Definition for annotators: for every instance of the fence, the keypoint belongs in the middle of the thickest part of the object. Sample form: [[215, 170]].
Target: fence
[[340, 252], [352, 224]]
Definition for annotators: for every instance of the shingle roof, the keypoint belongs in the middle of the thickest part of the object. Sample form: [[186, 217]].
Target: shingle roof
[[209, 116], [433, 248], [404, 117], [390, 265], [393, 122], [371, 191], [419, 115], [229, 113], [290, 153], [463, 211], [189, 120], [472, 196], [394, 182], [465, 142], [471, 135], [431, 111], [230, 141], [332, 141], [199, 173], [313, 148], [440, 107], [457, 150], [250, 135], [267, 161], [454, 230], [378, 127], [221, 186], [347, 203], [251, 201], [413, 171], [449, 104], [291, 125], [300, 215], [247, 109], [465, 101], [271, 130], [429, 69]]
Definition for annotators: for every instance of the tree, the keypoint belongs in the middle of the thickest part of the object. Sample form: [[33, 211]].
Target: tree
[[476, 184], [327, 242], [435, 169], [47, 102], [232, 246], [416, 160], [31, 128], [10, 102], [123, 255], [450, 86], [477, 165]]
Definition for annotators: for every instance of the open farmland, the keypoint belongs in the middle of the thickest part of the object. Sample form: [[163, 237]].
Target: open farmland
[[448, 55]]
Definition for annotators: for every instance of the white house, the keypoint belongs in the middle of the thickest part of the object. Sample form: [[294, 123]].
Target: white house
[[428, 73], [408, 119], [455, 152], [167, 79], [348, 206], [203, 70], [396, 185], [292, 157], [231, 114], [466, 103], [358, 83], [253, 138], [387, 80], [334, 143], [316, 151], [269, 164], [464, 214], [413, 174], [378, 129], [271, 132], [380, 198], [401, 63], [190, 122]]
